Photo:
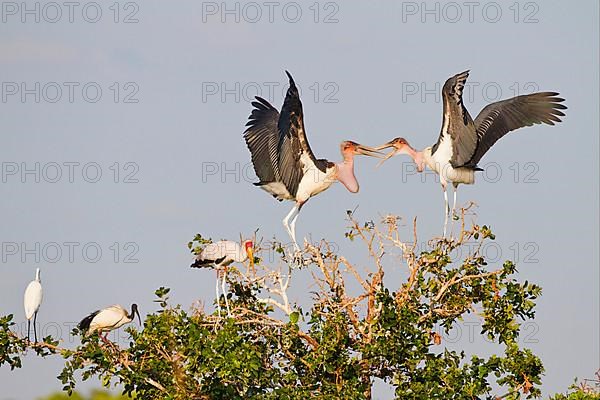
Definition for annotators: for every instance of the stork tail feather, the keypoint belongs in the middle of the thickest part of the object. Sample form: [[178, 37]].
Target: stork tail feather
[[84, 325]]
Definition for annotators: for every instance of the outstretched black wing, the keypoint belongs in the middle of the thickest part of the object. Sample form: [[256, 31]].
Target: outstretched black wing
[[277, 142], [262, 139], [292, 139], [457, 123], [497, 119]]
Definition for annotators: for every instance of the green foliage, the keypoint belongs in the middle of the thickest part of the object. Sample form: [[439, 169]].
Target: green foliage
[[197, 243], [589, 389], [336, 348], [12, 347], [94, 395]]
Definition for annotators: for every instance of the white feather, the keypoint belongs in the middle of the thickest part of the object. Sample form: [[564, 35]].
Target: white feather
[[232, 251], [278, 190], [33, 296], [109, 318], [314, 181], [440, 163]]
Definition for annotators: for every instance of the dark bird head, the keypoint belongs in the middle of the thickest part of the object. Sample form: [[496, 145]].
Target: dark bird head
[[401, 146], [134, 311]]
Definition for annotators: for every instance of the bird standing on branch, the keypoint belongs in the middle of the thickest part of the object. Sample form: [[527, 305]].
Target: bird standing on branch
[[463, 142], [220, 255], [108, 319], [284, 161], [32, 301]]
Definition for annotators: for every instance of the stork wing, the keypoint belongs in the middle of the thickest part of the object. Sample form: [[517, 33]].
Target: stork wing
[[108, 318], [457, 122], [84, 325], [262, 138], [497, 119], [292, 139], [219, 251]]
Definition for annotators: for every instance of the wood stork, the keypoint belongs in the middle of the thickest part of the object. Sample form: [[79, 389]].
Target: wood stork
[[284, 161], [220, 255], [32, 301], [108, 319], [463, 142]]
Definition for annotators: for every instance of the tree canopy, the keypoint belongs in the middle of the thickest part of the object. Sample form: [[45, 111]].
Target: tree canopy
[[356, 329]]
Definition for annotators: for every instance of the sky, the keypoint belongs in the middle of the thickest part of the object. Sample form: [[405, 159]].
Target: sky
[[122, 122]]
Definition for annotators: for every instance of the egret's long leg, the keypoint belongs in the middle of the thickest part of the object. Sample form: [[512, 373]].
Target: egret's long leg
[[292, 233], [29, 330], [446, 209], [223, 282], [217, 290], [34, 329]]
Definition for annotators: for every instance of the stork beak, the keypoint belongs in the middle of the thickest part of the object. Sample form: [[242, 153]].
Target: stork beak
[[250, 253], [368, 151], [388, 155], [386, 145], [138, 315]]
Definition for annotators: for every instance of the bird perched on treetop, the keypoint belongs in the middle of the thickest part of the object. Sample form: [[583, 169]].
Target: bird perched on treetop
[[284, 162], [220, 255], [108, 319], [31, 301], [463, 142]]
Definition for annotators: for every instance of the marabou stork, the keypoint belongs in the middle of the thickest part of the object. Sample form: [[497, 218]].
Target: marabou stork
[[220, 255], [32, 301], [284, 161], [108, 319], [462, 141]]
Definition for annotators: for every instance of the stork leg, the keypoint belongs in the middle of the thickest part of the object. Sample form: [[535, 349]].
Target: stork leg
[[293, 214], [104, 337], [293, 228], [223, 282], [446, 208], [455, 189], [34, 329], [298, 260], [217, 291]]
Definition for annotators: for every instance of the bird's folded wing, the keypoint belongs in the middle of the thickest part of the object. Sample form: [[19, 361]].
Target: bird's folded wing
[[84, 325]]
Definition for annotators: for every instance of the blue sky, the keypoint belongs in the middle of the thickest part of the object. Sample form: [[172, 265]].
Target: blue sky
[[132, 133]]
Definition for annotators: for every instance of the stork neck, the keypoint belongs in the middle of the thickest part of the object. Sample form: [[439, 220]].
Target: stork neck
[[417, 157], [428, 159], [345, 174], [348, 159], [132, 314]]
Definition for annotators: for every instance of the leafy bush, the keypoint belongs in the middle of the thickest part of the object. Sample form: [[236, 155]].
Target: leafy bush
[[270, 348]]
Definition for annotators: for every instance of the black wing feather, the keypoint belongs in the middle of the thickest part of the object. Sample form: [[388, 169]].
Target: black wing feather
[[84, 325], [201, 263], [497, 119], [460, 125], [292, 139], [262, 138]]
